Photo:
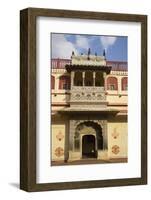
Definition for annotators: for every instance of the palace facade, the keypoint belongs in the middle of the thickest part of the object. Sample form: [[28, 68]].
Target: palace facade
[[89, 103]]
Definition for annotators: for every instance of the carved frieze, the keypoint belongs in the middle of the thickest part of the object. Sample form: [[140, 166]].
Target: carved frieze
[[88, 94]]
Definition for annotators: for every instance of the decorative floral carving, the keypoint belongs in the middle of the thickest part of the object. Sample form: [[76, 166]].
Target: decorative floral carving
[[87, 89], [60, 136], [90, 96], [99, 96], [87, 93], [59, 152], [102, 123], [77, 96], [76, 122], [115, 134], [115, 149]]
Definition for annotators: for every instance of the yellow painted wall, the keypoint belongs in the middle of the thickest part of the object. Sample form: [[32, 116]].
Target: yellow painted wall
[[58, 131], [116, 99], [119, 129], [120, 97], [60, 98]]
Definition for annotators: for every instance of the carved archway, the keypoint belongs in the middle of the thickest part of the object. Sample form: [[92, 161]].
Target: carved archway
[[88, 128]]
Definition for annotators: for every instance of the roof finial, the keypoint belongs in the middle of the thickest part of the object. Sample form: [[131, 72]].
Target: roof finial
[[104, 53], [89, 51]]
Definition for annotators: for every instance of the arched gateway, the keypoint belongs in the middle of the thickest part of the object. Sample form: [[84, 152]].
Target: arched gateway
[[88, 139]]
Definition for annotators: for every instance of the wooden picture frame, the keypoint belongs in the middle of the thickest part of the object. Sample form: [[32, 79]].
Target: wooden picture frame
[[28, 98]]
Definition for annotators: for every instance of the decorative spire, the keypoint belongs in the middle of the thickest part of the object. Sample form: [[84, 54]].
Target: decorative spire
[[72, 53], [95, 53], [104, 53], [89, 51]]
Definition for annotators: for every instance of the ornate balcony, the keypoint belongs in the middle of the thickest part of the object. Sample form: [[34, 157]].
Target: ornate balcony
[[87, 94], [87, 89]]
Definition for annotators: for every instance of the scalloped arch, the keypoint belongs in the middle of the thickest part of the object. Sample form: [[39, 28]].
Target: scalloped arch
[[85, 121]]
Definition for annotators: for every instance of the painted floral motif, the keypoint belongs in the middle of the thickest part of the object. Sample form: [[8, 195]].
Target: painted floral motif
[[115, 134], [59, 152], [60, 136], [115, 149]]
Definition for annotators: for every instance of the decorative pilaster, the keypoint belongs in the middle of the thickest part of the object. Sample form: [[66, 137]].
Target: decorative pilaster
[[67, 131], [94, 78], [105, 84], [105, 137], [72, 78], [71, 135], [83, 78], [119, 85]]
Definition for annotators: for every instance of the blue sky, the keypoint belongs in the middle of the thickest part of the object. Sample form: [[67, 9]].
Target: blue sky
[[64, 44]]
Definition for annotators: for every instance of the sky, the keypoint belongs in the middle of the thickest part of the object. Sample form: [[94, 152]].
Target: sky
[[63, 45]]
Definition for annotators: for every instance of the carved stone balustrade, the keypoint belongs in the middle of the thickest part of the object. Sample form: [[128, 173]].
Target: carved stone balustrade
[[87, 94]]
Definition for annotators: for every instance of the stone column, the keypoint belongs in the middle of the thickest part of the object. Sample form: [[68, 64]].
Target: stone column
[[94, 73], [72, 78], [56, 83], [71, 135], [83, 78], [105, 83], [105, 135], [67, 130], [119, 80]]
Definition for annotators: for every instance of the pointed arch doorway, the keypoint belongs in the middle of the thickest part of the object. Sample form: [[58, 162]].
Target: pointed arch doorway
[[88, 139]]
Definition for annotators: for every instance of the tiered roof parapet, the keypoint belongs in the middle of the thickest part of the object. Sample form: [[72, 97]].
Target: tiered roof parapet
[[88, 62]]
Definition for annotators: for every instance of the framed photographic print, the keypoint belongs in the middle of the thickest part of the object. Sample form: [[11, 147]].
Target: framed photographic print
[[83, 93]]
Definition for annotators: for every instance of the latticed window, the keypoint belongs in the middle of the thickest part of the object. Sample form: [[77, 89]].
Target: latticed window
[[52, 82], [112, 83], [124, 83], [64, 82]]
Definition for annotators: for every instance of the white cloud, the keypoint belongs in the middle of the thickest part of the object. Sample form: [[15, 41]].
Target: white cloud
[[82, 42], [107, 41], [61, 48]]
